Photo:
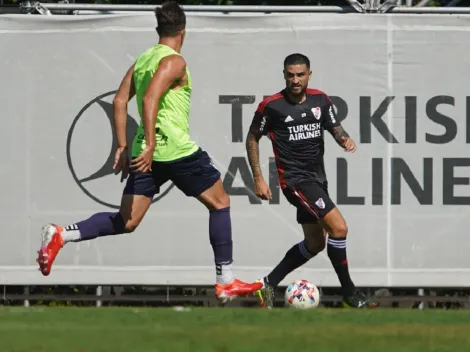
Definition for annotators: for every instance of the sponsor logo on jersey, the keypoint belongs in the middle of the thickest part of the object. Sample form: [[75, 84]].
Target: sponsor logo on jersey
[[332, 115], [263, 123], [289, 119], [305, 131], [161, 139]]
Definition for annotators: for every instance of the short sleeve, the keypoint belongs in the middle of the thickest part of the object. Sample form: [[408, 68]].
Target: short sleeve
[[260, 123], [330, 119]]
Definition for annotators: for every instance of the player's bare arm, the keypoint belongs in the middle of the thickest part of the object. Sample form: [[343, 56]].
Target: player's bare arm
[[343, 139], [124, 94], [252, 149], [338, 133], [171, 70]]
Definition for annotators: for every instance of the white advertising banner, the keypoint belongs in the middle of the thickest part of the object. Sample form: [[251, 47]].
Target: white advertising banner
[[399, 84]]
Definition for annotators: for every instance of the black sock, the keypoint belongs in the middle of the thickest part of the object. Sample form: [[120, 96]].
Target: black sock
[[295, 257], [337, 254]]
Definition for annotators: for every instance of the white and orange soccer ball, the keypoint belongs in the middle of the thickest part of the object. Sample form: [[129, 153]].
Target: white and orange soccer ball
[[302, 294]]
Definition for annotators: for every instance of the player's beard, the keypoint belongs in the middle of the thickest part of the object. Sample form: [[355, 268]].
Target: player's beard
[[297, 91]]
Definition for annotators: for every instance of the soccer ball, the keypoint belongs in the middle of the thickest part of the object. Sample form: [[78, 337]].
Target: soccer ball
[[302, 294]]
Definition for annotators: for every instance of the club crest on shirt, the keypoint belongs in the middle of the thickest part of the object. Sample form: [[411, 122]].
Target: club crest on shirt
[[320, 203], [316, 113]]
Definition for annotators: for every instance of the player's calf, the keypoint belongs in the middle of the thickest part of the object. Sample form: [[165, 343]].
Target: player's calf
[[217, 202], [315, 237], [99, 225], [335, 225], [130, 215]]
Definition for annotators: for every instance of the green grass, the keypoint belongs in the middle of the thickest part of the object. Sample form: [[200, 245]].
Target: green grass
[[230, 330]]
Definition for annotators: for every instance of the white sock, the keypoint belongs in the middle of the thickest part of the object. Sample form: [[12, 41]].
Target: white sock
[[71, 233], [224, 274]]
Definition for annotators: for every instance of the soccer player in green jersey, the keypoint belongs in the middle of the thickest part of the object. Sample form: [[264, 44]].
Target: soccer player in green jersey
[[162, 150]]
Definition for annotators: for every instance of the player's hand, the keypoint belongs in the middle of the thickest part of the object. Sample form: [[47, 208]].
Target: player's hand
[[121, 162], [348, 144], [262, 190], [144, 162]]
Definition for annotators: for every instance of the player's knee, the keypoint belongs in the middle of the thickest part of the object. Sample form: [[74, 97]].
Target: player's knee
[[215, 201], [126, 223], [339, 230], [314, 246], [221, 201], [130, 226]]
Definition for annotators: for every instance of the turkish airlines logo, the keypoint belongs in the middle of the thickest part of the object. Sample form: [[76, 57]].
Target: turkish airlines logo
[[91, 144]]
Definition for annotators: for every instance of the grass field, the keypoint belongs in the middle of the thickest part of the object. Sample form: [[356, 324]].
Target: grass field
[[236, 329]]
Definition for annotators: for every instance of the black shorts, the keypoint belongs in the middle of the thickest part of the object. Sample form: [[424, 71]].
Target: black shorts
[[192, 175], [311, 200]]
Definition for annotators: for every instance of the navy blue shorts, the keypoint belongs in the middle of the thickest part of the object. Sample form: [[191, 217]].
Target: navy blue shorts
[[192, 175]]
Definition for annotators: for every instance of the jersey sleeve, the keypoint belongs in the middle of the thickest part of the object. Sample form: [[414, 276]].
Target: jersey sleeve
[[330, 119], [260, 123]]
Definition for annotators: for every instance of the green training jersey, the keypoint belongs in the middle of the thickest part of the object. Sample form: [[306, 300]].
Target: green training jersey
[[172, 139]]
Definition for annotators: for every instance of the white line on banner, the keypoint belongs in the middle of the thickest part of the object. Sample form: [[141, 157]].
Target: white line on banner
[[243, 30], [389, 148], [239, 268], [102, 61], [248, 213]]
